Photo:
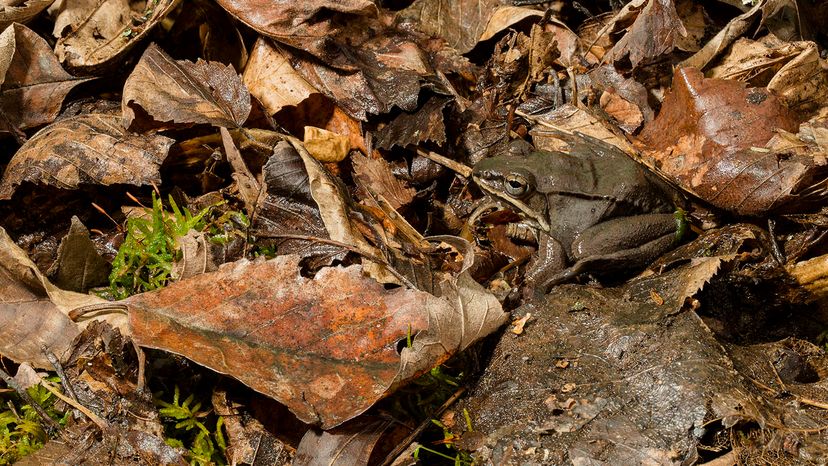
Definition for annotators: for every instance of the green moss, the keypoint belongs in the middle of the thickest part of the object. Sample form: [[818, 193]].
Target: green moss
[[186, 427], [21, 430]]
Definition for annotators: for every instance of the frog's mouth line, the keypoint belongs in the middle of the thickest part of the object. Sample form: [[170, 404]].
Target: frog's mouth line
[[524, 209]]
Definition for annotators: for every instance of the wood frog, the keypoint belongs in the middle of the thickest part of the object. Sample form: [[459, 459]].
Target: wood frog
[[593, 209]]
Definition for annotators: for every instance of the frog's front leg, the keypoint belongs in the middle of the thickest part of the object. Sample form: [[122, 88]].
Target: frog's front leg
[[550, 261], [618, 245]]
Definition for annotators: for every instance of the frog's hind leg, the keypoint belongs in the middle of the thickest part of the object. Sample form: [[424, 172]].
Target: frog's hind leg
[[651, 238]]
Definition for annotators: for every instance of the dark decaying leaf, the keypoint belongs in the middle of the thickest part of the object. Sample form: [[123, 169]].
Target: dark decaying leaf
[[87, 149], [287, 207], [78, 266], [35, 84], [181, 92], [21, 11], [302, 25], [351, 443], [655, 32], [460, 22], [326, 347], [425, 124], [389, 71], [95, 34], [709, 136]]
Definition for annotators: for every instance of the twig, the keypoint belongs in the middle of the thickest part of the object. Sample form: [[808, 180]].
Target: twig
[[77, 313], [55, 362], [463, 170], [100, 422]]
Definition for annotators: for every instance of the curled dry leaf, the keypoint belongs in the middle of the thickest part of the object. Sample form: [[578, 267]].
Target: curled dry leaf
[[21, 12], [272, 79], [326, 146], [94, 34], [709, 136], [427, 123], [325, 347], [182, 92], [34, 83], [86, 149]]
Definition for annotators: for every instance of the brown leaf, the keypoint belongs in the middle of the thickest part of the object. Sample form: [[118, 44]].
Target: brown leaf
[[94, 34], [383, 72], [326, 146], [288, 207], [246, 183], [78, 266], [704, 139], [302, 25], [272, 80], [33, 312], [425, 124], [376, 174], [35, 85], [461, 23], [85, 149], [655, 32], [326, 347], [351, 443], [21, 12], [178, 91]]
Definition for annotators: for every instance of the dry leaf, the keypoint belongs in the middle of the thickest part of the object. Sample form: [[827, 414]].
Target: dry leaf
[[460, 22], [86, 149], [287, 206], [326, 347], [424, 124], [351, 443], [655, 32], [326, 146], [21, 12], [34, 83], [302, 25], [248, 186], [94, 34], [272, 80], [78, 266], [33, 312], [709, 136], [178, 91], [376, 175]]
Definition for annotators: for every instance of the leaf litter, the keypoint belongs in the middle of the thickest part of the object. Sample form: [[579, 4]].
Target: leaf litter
[[341, 276]]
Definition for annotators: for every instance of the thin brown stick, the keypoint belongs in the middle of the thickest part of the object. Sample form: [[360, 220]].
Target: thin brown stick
[[463, 170], [44, 416]]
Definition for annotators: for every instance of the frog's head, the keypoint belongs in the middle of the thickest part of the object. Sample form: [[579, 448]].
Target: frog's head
[[513, 180]]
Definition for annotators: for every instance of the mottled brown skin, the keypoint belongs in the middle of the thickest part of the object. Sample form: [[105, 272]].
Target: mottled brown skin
[[595, 210]]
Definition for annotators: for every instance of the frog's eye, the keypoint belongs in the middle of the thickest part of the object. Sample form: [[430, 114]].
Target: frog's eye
[[516, 185]]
